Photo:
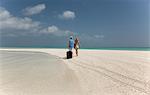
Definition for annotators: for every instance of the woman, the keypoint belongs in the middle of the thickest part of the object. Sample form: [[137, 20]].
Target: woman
[[76, 45]]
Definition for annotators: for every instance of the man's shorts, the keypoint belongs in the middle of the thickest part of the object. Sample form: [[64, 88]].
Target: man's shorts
[[70, 49]]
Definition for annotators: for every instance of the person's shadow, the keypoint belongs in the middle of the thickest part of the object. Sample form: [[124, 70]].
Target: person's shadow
[[64, 58]]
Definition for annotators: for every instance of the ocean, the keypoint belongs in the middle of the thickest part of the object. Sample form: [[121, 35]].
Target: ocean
[[104, 48], [122, 48]]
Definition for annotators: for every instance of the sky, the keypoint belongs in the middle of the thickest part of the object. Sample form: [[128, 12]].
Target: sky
[[97, 23]]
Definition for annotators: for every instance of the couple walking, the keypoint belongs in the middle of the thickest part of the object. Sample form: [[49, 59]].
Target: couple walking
[[73, 44]]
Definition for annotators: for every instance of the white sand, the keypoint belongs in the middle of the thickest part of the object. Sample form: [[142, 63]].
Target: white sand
[[93, 72]]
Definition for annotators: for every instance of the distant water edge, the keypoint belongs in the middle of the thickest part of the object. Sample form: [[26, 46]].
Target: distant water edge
[[106, 48], [122, 48]]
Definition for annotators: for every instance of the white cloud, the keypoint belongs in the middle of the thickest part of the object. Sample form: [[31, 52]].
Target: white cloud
[[99, 36], [34, 9], [54, 30], [67, 15], [49, 30], [21, 26], [7, 21], [4, 14]]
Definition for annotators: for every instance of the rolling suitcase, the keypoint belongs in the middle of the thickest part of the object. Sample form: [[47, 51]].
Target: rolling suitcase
[[69, 54]]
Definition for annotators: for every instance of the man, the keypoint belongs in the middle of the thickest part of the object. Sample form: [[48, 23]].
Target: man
[[71, 43], [70, 46]]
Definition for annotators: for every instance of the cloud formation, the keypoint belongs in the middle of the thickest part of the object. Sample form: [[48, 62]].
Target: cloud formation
[[8, 21], [55, 30], [67, 15], [25, 25], [98, 36], [34, 10]]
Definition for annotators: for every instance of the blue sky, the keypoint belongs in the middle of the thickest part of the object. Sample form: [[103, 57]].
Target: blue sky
[[97, 23]]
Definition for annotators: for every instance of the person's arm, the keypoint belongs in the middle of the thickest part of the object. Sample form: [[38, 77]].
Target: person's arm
[[79, 44], [68, 44]]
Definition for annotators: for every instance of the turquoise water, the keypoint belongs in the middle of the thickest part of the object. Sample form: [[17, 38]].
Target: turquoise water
[[123, 48], [106, 48]]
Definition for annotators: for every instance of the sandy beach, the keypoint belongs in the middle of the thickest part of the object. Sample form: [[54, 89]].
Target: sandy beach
[[93, 72]]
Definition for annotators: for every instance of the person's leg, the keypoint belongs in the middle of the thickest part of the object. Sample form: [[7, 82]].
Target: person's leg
[[70, 49], [77, 52]]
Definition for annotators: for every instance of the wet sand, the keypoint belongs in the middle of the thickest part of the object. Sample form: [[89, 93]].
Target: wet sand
[[93, 72]]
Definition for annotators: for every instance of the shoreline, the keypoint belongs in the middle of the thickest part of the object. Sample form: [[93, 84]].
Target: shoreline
[[107, 48]]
